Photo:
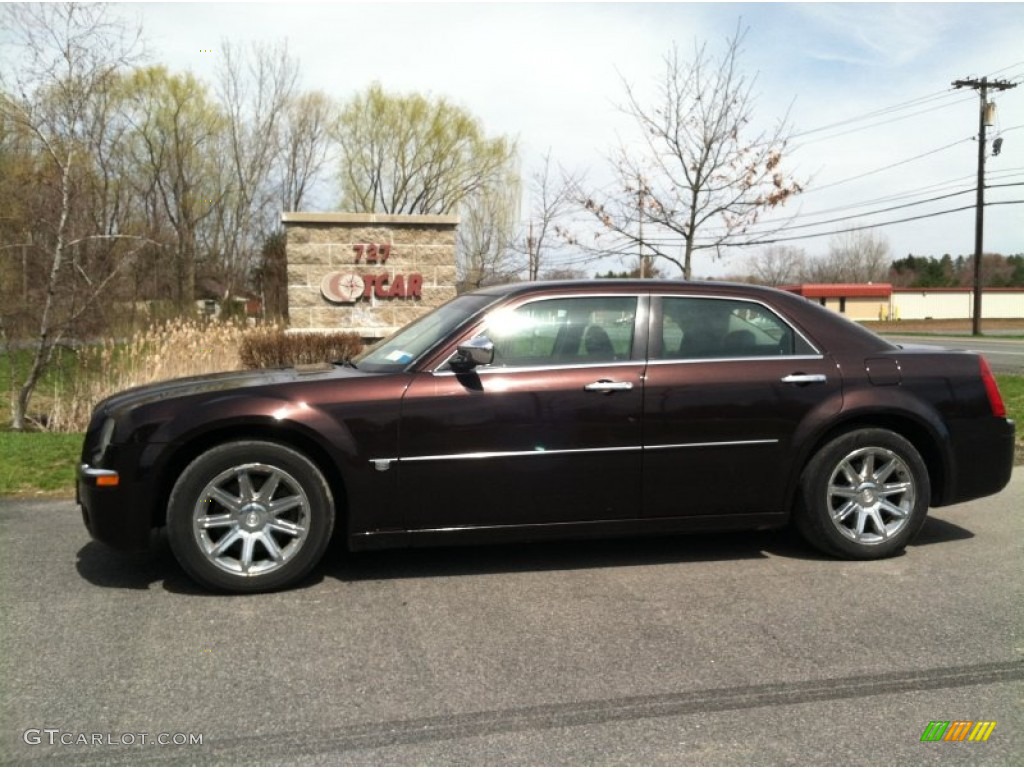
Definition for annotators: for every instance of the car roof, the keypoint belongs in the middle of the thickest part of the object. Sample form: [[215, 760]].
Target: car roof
[[636, 284]]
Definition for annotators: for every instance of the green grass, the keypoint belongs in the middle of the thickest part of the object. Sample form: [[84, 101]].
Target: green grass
[[1012, 389], [38, 462], [55, 377]]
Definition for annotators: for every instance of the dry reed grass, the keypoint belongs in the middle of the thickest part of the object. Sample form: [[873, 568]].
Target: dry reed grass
[[164, 351]]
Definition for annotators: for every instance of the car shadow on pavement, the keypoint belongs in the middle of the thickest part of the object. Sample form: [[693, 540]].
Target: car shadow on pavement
[[571, 554], [938, 531], [105, 567], [593, 553]]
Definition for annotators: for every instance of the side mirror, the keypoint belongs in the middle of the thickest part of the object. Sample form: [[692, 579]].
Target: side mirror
[[470, 354]]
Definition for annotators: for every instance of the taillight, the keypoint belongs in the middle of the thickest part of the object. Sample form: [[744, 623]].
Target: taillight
[[995, 400]]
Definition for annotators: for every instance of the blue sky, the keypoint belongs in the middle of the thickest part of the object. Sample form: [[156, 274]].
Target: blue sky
[[550, 75]]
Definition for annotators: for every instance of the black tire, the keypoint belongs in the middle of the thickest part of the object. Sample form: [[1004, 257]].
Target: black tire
[[250, 516], [863, 496]]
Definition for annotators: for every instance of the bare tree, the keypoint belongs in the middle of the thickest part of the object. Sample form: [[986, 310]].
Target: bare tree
[[486, 235], [777, 265], [552, 194], [68, 56], [695, 180], [853, 257], [305, 138], [255, 89]]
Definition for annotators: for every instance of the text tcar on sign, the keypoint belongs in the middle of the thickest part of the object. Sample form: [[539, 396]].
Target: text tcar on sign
[[347, 287]]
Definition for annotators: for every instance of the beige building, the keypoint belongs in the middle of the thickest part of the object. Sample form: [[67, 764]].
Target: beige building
[[368, 273], [858, 301], [880, 301]]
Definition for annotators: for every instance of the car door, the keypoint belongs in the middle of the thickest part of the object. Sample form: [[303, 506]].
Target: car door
[[549, 433], [728, 386]]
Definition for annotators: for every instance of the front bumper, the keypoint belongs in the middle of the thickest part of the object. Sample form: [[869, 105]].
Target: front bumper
[[115, 512]]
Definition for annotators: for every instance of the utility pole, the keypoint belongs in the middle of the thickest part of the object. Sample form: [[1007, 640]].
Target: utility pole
[[982, 87], [531, 260], [640, 225]]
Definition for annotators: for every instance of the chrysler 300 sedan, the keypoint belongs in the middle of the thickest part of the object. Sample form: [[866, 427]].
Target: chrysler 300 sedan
[[553, 410]]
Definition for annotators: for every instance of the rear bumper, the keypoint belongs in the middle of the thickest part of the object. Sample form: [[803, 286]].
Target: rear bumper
[[984, 452], [115, 514]]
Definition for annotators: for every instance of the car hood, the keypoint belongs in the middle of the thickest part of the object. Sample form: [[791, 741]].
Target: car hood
[[217, 383]]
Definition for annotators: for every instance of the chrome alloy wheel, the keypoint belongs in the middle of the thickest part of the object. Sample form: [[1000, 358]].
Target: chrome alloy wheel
[[871, 494], [251, 519]]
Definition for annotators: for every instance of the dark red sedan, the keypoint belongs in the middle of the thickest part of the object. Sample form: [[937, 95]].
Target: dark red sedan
[[553, 410]]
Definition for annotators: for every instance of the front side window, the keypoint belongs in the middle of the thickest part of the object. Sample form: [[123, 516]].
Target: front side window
[[563, 331], [409, 343], [704, 328]]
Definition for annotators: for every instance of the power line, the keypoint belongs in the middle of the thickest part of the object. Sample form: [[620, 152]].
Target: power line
[[891, 208], [936, 187], [877, 113], [881, 210], [831, 136], [887, 167], [946, 93], [877, 225]]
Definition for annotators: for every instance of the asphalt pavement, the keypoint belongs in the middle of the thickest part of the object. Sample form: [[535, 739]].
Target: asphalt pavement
[[1004, 355], [736, 649]]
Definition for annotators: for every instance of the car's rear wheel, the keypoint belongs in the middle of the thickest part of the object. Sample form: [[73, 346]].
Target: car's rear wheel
[[250, 516], [864, 495]]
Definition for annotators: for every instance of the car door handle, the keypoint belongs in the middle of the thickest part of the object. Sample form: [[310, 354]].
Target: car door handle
[[608, 386], [805, 378]]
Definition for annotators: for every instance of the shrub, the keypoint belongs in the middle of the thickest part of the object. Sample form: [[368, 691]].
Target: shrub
[[273, 348]]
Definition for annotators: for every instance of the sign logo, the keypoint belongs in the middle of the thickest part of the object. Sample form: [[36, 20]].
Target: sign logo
[[349, 287], [958, 730]]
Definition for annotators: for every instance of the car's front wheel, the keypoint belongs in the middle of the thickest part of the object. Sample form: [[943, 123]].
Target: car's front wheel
[[250, 516], [864, 495]]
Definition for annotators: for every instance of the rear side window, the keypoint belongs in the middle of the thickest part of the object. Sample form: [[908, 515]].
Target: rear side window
[[705, 328], [563, 331]]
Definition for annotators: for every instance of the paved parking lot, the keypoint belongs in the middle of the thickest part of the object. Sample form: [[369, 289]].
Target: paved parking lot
[[1004, 355], [737, 649]]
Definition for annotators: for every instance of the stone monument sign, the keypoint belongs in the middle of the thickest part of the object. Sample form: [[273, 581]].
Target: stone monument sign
[[370, 273]]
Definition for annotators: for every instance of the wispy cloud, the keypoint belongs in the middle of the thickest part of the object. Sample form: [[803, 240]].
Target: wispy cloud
[[880, 36]]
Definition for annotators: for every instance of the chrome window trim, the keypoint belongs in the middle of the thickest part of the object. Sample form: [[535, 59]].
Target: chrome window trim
[[624, 364], [565, 451], [764, 358], [539, 368]]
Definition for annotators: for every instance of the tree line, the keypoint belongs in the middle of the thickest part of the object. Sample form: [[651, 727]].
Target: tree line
[[864, 256], [126, 186]]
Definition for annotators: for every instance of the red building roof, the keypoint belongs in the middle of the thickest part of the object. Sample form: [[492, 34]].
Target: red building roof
[[841, 290]]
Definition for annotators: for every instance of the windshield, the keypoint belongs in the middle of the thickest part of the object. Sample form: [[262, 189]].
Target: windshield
[[409, 343]]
